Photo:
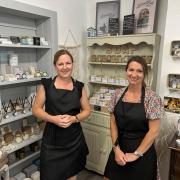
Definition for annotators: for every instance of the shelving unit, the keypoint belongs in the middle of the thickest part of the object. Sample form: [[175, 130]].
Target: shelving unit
[[19, 19], [17, 146], [36, 154], [107, 58], [15, 118]]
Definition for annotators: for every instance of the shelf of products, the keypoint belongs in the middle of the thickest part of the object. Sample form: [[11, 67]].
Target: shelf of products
[[174, 81], [12, 118], [19, 81], [16, 146], [175, 49], [28, 42], [172, 104], [107, 58], [35, 154], [24, 46]]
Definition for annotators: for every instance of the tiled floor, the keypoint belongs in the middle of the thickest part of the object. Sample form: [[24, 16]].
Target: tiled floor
[[89, 175]]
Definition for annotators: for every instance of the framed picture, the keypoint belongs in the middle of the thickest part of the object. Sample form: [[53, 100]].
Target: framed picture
[[144, 11], [104, 11]]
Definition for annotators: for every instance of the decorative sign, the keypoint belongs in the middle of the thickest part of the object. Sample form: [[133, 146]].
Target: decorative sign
[[128, 24], [113, 26], [144, 11], [104, 11]]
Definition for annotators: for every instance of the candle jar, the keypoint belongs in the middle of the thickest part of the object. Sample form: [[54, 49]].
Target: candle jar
[[18, 137], [25, 135]]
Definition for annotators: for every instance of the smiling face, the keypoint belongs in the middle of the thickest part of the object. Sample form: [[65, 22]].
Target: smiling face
[[135, 73], [64, 66]]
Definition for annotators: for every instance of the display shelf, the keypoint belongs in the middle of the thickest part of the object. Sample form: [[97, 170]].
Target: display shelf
[[17, 146], [24, 46], [107, 63], [111, 64], [15, 118], [100, 112], [174, 89], [174, 81], [107, 58], [108, 84], [175, 49], [6, 83], [18, 20], [123, 39], [24, 159]]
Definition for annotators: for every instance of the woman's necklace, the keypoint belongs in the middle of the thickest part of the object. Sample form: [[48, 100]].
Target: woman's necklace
[[132, 98]]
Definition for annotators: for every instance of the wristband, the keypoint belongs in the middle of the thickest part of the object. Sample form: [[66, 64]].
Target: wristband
[[138, 154], [116, 144], [77, 119]]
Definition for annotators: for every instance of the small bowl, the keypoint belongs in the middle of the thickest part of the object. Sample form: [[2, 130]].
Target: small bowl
[[178, 142]]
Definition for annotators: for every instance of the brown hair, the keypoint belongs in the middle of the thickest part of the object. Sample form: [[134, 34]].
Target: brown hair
[[141, 61], [60, 53]]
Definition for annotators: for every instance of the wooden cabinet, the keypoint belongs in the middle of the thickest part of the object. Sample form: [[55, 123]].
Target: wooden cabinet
[[23, 20], [98, 139], [174, 170], [107, 58]]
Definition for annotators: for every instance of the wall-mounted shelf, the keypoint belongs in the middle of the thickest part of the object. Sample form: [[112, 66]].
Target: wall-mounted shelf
[[17, 146], [6, 83], [35, 154], [175, 49], [108, 84], [111, 64], [24, 46], [174, 82], [15, 118], [172, 104], [24, 20]]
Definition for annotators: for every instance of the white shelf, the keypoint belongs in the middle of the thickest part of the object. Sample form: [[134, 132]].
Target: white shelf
[[175, 89], [17, 146], [122, 39], [4, 83], [24, 159], [15, 118], [109, 63], [100, 112], [109, 84], [24, 46]]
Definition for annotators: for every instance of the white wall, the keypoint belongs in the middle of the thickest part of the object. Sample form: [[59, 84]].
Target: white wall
[[71, 16]]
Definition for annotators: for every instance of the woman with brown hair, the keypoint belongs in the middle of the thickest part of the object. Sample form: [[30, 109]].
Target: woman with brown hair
[[135, 113], [63, 149]]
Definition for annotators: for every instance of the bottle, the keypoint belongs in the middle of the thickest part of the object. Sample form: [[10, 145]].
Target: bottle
[[178, 127]]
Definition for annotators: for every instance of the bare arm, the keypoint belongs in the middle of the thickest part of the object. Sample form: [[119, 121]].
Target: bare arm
[[119, 155], [85, 107], [38, 105], [113, 128], [147, 141]]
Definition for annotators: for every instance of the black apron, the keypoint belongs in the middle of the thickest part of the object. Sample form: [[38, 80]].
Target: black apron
[[132, 127], [63, 150]]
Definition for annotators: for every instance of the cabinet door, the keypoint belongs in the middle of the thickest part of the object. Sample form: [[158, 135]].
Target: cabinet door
[[99, 144]]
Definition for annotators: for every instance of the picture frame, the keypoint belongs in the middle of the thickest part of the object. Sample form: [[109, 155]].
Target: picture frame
[[104, 11], [144, 11]]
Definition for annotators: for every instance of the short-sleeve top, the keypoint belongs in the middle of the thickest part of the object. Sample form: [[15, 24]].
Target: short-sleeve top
[[153, 105]]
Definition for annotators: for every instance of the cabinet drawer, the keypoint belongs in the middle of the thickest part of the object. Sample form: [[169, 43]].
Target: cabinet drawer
[[99, 119]]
